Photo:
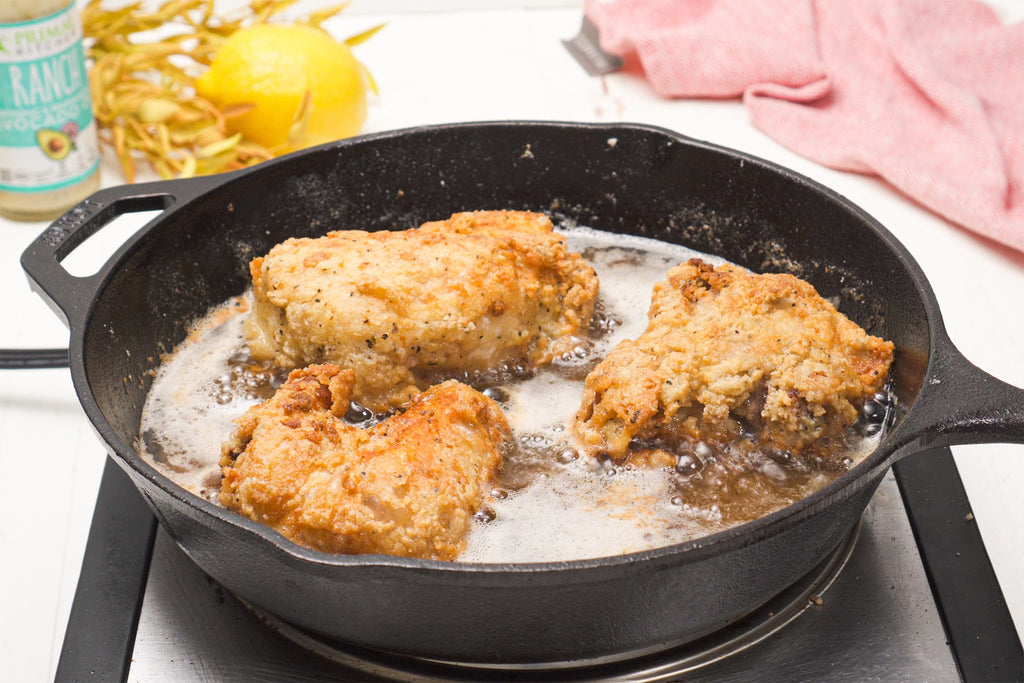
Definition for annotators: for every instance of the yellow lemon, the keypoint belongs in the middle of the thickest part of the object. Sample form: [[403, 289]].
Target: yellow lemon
[[304, 86]]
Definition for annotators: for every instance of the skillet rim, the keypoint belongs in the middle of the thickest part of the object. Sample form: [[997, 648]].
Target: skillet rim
[[872, 467]]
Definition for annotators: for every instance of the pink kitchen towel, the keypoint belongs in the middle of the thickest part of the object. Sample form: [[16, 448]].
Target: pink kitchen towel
[[926, 94]]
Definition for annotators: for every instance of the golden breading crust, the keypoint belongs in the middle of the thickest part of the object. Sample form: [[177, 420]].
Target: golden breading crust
[[405, 309], [727, 349], [408, 486]]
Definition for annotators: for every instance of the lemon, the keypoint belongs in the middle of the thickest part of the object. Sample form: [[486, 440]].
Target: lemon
[[306, 88]]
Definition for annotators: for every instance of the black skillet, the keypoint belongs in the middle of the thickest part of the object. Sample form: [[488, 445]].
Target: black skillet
[[621, 178]]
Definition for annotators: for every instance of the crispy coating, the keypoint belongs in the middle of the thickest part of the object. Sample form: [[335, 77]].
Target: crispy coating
[[725, 351], [405, 309], [407, 486]]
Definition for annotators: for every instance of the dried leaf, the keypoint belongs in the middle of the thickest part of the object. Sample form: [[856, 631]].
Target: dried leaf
[[188, 167], [370, 81], [360, 38], [215, 148], [124, 154], [211, 135], [317, 18], [163, 137], [230, 111], [153, 110], [300, 122]]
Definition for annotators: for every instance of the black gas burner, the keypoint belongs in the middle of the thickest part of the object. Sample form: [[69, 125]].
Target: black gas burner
[[668, 664]]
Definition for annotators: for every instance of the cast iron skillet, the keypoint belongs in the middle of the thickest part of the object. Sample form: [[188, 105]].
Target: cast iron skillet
[[621, 178]]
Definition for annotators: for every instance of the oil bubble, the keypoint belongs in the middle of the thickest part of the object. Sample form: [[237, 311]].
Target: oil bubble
[[688, 464], [496, 393], [485, 514], [567, 455]]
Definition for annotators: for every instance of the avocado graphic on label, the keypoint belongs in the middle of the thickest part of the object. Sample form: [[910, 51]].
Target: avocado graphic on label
[[54, 143]]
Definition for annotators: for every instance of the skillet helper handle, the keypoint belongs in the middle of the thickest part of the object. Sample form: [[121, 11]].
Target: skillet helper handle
[[963, 404], [33, 359], [68, 295]]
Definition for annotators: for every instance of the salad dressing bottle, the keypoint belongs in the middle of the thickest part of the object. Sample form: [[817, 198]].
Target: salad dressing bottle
[[49, 154]]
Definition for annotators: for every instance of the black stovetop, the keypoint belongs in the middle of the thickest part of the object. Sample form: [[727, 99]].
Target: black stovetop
[[911, 596]]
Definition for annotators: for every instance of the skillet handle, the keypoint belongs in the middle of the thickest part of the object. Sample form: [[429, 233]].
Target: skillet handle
[[963, 404], [68, 295]]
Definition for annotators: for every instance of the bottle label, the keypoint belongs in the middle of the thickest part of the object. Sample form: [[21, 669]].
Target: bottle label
[[47, 131]]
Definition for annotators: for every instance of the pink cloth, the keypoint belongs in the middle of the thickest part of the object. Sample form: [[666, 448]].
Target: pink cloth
[[927, 94]]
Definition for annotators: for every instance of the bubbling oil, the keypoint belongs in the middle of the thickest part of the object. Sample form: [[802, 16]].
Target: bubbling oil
[[551, 503]]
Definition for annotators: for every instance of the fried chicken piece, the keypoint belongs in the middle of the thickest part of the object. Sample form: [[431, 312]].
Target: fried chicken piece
[[405, 309], [408, 486], [728, 351]]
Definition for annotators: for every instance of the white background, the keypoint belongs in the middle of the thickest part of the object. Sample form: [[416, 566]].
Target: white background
[[463, 60]]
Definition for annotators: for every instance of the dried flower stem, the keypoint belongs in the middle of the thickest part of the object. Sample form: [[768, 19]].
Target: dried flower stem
[[143, 92]]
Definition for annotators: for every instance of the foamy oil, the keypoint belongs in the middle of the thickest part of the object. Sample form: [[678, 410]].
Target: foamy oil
[[550, 503]]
